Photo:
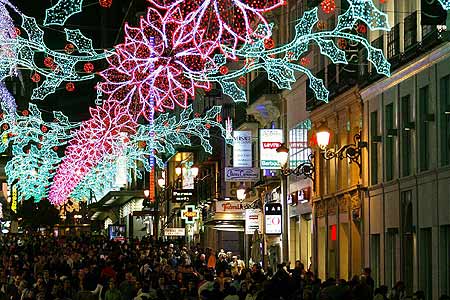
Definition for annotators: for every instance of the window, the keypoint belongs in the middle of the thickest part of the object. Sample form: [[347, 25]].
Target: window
[[406, 136], [426, 261], [407, 260], [375, 257], [389, 125], [410, 29], [298, 144], [374, 147], [445, 120], [391, 255], [444, 262], [393, 41], [423, 128]]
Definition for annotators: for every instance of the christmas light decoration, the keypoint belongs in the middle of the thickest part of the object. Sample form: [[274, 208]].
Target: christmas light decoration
[[105, 3], [139, 68], [60, 66], [61, 11], [328, 6], [33, 143], [445, 4], [221, 22], [99, 143]]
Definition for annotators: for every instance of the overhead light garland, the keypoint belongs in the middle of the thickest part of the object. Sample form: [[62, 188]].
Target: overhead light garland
[[445, 4], [191, 45]]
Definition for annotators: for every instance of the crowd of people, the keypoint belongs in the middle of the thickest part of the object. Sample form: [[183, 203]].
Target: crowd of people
[[88, 268]]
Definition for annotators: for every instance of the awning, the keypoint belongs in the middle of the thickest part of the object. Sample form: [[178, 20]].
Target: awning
[[227, 221], [113, 199]]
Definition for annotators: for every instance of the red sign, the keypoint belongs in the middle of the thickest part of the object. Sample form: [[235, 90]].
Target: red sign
[[271, 145]]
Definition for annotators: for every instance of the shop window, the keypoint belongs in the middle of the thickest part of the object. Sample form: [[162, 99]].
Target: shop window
[[408, 240]]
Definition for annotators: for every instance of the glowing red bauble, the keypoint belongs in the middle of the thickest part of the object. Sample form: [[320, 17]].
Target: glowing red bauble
[[219, 118], [36, 77], [44, 128], [242, 81], [269, 43], [305, 61], [17, 31], [105, 3], [362, 28], [55, 148], [48, 62], [342, 43], [207, 126], [328, 6], [5, 126], [25, 113], [70, 87], [223, 70], [69, 48], [88, 67]]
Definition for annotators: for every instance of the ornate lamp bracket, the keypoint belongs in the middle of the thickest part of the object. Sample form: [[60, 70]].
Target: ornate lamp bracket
[[306, 169], [350, 151]]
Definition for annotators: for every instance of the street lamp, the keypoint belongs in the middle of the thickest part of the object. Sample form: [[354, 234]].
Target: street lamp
[[161, 182], [146, 193], [351, 151], [240, 192], [305, 169], [194, 171], [178, 171]]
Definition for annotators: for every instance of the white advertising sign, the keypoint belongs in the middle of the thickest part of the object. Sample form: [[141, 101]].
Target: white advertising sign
[[253, 220], [241, 174], [270, 140], [273, 215], [229, 207], [174, 232], [242, 149]]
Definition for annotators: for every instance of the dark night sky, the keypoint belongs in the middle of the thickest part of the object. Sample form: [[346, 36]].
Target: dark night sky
[[102, 25]]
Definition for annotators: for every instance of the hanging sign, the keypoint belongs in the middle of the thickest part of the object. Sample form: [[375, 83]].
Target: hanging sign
[[242, 149], [175, 232], [14, 199], [229, 207], [273, 218], [253, 220], [270, 140], [190, 214], [183, 195], [242, 174]]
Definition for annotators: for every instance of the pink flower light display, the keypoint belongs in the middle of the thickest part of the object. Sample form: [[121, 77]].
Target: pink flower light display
[[221, 22], [155, 59], [104, 134]]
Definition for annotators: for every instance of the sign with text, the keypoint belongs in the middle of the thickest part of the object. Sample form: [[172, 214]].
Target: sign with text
[[175, 232], [183, 195], [273, 218], [229, 207], [270, 140], [190, 214], [242, 174], [253, 220], [242, 149]]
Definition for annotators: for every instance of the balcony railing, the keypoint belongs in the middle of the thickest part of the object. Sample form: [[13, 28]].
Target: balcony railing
[[410, 28], [393, 42]]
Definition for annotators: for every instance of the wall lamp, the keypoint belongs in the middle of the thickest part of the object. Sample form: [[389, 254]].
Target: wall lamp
[[350, 151], [304, 169]]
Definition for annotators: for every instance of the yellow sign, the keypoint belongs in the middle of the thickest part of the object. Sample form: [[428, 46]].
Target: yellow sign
[[14, 199], [5, 138]]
